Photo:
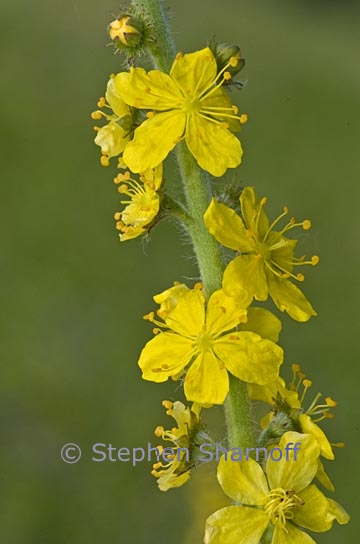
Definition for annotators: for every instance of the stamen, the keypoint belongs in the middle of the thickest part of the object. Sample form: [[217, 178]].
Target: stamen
[[285, 212]]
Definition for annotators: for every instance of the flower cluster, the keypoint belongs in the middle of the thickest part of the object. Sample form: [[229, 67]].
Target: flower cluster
[[213, 338]]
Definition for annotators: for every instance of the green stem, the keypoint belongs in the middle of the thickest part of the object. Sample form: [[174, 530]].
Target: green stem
[[163, 49], [238, 415], [198, 195]]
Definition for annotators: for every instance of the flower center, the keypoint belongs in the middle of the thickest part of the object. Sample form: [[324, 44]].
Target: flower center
[[280, 504], [191, 105], [203, 341]]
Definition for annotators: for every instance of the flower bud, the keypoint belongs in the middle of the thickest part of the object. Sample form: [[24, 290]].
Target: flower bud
[[125, 31], [224, 52]]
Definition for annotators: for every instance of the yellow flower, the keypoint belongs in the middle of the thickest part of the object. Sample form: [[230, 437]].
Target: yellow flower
[[113, 137], [280, 502], [288, 413], [143, 206], [266, 262], [202, 336], [192, 104], [176, 472]]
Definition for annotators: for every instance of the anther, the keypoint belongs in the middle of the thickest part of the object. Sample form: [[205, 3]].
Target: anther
[[243, 118], [315, 260], [159, 431], [104, 160], [96, 115], [300, 277], [117, 216], [330, 402], [167, 404], [227, 76], [306, 225], [101, 103]]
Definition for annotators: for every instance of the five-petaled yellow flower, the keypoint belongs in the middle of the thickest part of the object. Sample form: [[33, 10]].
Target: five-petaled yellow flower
[[176, 472], [266, 262], [280, 501], [203, 337], [143, 206], [188, 103], [112, 137]]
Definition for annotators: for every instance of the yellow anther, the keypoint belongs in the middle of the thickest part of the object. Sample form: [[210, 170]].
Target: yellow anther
[[330, 402], [179, 55], [156, 466], [123, 188], [243, 118], [339, 445], [149, 317], [156, 330], [286, 209], [96, 129], [167, 404], [296, 368], [301, 375], [104, 160], [227, 76], [198, 286], [306, 224], [300, 276], [329, 415], [263, 201], [292, 221], [120, 226], [101, 103], [159, 431], [307, 383], [96, 115], [233, 61], [150, 114], [117, 216], [315, 260]]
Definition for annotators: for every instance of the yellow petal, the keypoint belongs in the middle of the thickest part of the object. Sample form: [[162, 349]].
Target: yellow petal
[[246, 273], [323, 478], [291, 535], [214, 147], [250, 206], [262, 322], [248, 357], [243, 481], [309, 427], [268, 392], [227, 227], [294, 472], [112, 139], [188, 316], [165, 355], [318, 512], [194, 71], [153, 140], [152, 90], [117, 104], [223, 313], [289, 298], [235, 525], [168, 299], [206, 382]]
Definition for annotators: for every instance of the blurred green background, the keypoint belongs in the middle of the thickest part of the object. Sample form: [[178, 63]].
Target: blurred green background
[[72, 297]]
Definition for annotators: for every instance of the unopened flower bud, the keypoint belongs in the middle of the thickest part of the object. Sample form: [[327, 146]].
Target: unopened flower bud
[[224, 53], [126, 31]]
